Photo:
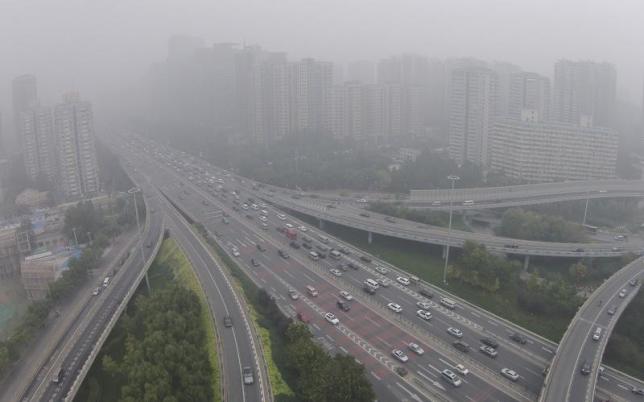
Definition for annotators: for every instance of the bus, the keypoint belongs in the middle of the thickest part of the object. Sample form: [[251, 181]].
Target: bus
[[449, 303]]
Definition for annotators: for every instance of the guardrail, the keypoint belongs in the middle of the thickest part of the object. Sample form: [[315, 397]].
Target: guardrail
[[101, 340]]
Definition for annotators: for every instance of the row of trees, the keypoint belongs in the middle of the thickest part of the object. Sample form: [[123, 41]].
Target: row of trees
[[480, 269], [548, 298], [624, 350], [165, 355], [520, 224], [435, 218]]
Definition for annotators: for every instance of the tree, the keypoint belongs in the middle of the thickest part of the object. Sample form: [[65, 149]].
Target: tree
[[348, 381], [578, 272]]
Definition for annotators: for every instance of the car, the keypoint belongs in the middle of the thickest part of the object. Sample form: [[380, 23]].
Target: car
[[302, 228], [633, 282], [424, 314], [303, 317], [383, 282], [281, 217], [622, 293], [436, 203], [264, 226], [343, 267], [293, 294], [620, 237], [455, 332], [362, 200], [381, 270], [390, 219], [343, 305], [612, 310], [295, 245], [461, 369], [490, 342], [403, 280], [488, 350], [247, 373], [414, 347], [423, 305], [510, 374], [597, 334], [518, 338], [254, 263], [394, 307], [400, 355], [426, 293], [289, 226], [331, 318], [353, 266], [283, 254], [307, 246], [228, 321], [462, 346], [263, 218], [365, 258], [346, 295], [336, 272], [236, 252], [260, 247], [579, 250], [225, 220], [401, 371], [365, 215], [452, 378], [97, 291], [585, 368], [637, 391]]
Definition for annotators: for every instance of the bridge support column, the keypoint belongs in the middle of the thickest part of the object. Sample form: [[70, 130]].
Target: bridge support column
[[321, 224], [147, 283], [444, 252], [369, 237], [526, 262]]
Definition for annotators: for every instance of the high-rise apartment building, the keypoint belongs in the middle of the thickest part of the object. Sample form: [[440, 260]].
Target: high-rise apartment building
[[311, 83], [584, 90], [363, 71], [504, 72], [529, 91], [536, 151], [472, 100], [39, 151], [274, 93], [76, 149], [24, 96]]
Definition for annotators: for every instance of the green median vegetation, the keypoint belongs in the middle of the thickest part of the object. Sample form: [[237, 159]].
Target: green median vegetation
[[164, 348]]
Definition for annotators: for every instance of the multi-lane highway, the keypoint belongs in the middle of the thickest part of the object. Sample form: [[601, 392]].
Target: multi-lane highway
[[528, 359], [575, 369], [78, 349]]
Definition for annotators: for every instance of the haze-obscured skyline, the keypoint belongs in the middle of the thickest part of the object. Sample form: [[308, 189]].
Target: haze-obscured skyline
[[94, 46]]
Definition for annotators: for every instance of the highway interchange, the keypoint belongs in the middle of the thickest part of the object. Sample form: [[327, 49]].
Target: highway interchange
[[376, 336]]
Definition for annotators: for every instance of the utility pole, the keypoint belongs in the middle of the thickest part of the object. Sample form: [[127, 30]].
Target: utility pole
[[453, 179]]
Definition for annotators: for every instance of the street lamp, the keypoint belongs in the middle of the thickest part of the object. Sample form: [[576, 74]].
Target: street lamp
[[453, 179]]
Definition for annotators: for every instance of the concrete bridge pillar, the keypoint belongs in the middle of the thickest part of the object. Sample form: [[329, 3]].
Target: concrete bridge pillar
[[526, 263], [321, 224], [369, 237], [444, 252]]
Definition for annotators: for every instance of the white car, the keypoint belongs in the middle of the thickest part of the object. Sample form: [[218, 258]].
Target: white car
[[330, 317], [509, 373], [346, 295], [423, 305], [288, 225], [403, 280], [622, 293], [461, 369], [281, 217], [303, 228], [244, 206], [394, 307], [400, 355], [381, 270], [455, 332], [293, 294], [336, 272], [236, 252], [263, 218], [414, 347], [362, 201], [425, 315], [264, 225]]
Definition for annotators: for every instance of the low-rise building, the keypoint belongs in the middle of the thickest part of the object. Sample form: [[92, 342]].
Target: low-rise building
[[537, 151], [40, 270], [9, 253]]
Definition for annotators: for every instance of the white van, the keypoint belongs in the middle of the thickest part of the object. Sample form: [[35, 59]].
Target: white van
[[372, 283], [449, 303], [335, 254], [312, 291], [314, 255], [323, 239]]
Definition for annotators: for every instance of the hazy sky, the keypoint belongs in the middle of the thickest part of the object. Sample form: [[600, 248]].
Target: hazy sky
[[94, 45]]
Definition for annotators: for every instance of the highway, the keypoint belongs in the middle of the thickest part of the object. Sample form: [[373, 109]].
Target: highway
[[537, 351], [73, 353], [565, 380]]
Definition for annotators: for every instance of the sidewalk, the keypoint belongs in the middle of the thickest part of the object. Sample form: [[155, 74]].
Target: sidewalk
[[39, 351]]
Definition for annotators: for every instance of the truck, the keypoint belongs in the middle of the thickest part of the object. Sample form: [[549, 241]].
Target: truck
[[291, 233]]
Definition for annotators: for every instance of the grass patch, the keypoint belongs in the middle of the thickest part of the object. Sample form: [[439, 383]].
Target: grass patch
[[170, 265]]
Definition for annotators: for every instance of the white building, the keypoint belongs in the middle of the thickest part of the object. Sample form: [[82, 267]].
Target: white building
[[545, 151], [472, 101], [75, 143]]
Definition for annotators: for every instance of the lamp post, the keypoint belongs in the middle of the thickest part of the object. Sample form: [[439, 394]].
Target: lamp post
[[133, 191], [453, 179], [75, 237]]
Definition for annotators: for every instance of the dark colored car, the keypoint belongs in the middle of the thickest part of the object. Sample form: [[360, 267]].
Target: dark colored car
[[585, 368], [254, 263], [260, 247], [307, 246], [364, 214], [228, 321], [518, 338], [490, 342], [365, 258], [401, 371], [295, 245], [462, 346], [283, 254], [426, 292], [352, 266], [343, 305]]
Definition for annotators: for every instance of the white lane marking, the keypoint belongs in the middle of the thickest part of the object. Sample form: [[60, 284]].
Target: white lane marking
[[375, 376], [546, 349], [316, 326], [476, 314], [493, 323], [342, 348], [383, 341]]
